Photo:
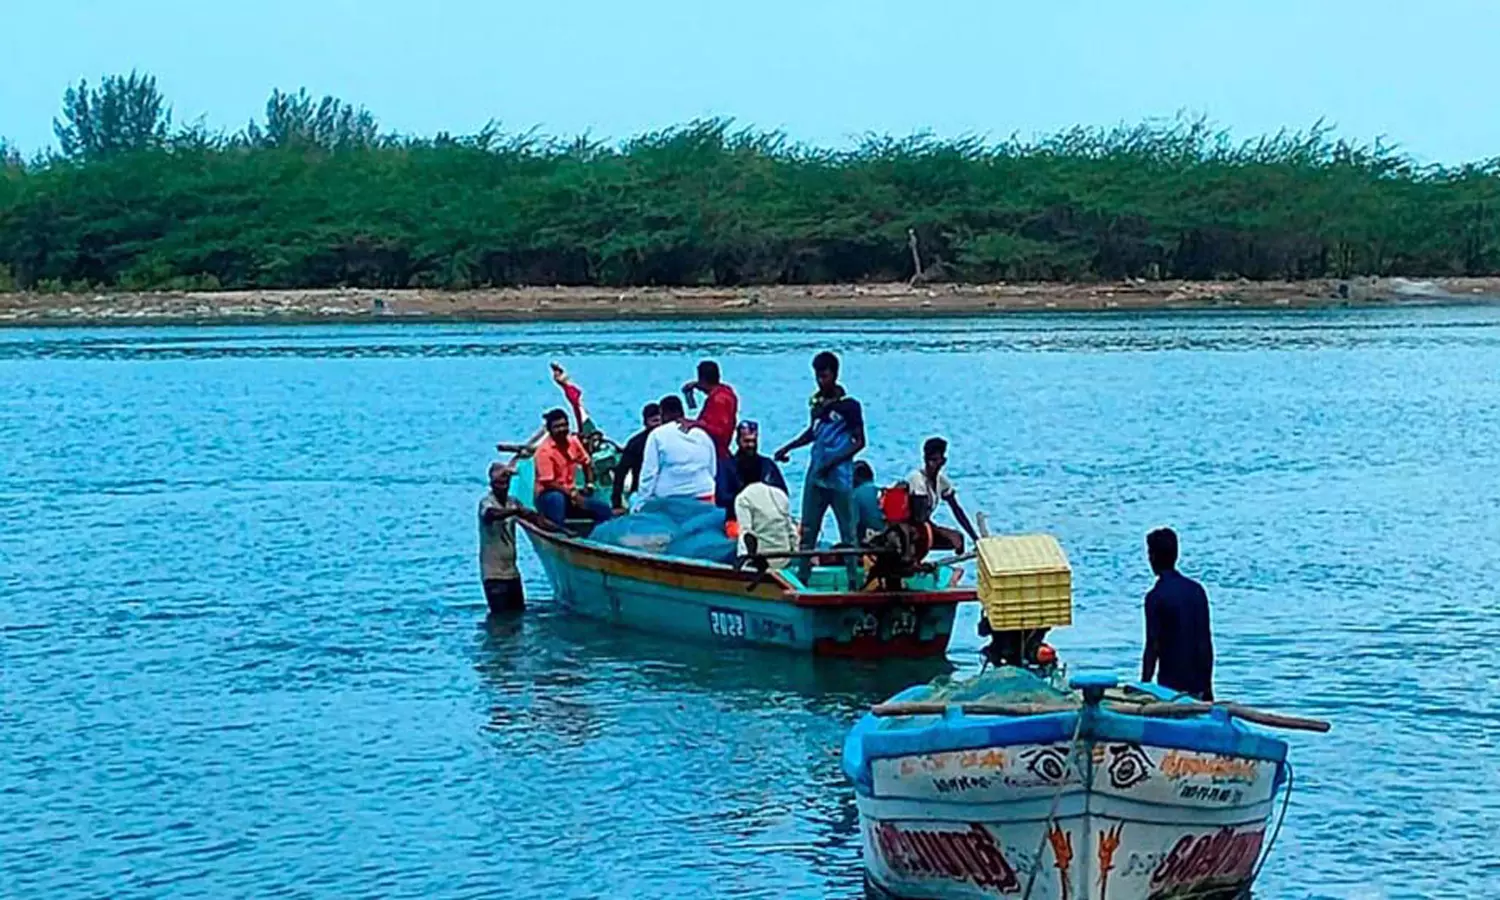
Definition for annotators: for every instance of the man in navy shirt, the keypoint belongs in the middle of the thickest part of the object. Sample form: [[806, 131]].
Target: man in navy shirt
[[1177, 634], [836, 430]]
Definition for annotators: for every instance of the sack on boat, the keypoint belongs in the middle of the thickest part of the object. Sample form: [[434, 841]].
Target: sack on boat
[[674, 526]]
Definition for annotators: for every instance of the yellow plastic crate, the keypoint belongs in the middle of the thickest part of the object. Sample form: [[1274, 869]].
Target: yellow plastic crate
[[1025, 582]]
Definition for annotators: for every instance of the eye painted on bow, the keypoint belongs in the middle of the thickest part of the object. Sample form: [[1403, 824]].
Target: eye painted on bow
[[1128, 766], [1050, 764]]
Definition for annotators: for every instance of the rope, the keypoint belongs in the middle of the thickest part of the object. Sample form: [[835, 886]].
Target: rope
[[1036, 862], [1244, 893], [1286, 801]]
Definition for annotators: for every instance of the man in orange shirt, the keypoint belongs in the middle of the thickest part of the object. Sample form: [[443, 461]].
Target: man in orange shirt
[[558, 460]]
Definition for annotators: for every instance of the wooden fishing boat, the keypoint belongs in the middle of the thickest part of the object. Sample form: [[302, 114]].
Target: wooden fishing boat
[[1013, 784], [713, 602]]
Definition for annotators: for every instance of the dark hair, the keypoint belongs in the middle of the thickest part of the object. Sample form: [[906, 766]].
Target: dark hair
[[826, 362], [935, 447], [650, 410], [863, 472], [552, 415], [671, 407], [708, 372], [1161, 545]]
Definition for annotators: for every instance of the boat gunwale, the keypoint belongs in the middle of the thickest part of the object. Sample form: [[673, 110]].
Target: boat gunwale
[[740, 578]]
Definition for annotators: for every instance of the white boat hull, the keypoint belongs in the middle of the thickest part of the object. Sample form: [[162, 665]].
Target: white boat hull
[[1131, 822]]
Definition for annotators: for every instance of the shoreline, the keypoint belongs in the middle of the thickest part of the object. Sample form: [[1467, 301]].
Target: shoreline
[[594, 304]]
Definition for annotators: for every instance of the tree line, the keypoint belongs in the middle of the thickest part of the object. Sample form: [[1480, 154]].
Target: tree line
[[315, 194]]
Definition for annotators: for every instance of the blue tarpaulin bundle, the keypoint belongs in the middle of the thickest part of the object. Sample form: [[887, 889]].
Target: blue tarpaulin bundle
[[673, 526]]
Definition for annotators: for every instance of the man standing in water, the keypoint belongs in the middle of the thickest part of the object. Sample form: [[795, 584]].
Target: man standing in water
[[1177, 629], [837, 435], [498, 512]]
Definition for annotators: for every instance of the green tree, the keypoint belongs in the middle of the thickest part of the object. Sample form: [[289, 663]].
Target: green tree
[[124, 113], [298, 120]]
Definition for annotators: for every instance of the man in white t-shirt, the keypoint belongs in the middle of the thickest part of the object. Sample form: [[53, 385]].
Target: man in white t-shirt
[[677, 461], [933, 486]]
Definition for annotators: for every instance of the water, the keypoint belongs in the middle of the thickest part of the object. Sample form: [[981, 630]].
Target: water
[[244, 650]]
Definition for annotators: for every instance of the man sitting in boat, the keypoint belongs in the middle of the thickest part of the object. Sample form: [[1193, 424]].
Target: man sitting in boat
[[604, 454], [930, 485], [1178, 640], [559, 459], [679, 459], [868, 518], [628, 470], [762, 509]]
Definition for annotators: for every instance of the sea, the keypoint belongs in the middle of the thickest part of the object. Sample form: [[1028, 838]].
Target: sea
[[244, 650]]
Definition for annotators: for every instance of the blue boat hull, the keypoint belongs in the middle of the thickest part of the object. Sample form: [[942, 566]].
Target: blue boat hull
[[713, 603]]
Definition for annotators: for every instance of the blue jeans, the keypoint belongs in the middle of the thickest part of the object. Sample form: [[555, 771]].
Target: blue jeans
[[557, 507], [817, 500]]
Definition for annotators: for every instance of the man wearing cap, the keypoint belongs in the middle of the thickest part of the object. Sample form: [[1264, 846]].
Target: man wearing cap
[[747, 458], [498, 512]]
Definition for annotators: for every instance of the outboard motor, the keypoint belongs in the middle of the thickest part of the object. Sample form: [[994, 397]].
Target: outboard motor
[[898, 551]]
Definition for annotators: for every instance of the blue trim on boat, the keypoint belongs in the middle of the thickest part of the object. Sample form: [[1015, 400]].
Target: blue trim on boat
[[873, 738]]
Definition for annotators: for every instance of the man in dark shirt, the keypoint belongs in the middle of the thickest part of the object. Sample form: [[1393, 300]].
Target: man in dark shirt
[[1177, 633], [735, 473], [630, 457]]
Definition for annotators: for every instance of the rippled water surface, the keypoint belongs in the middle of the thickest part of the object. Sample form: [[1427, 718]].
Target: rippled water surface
[[244, 650]]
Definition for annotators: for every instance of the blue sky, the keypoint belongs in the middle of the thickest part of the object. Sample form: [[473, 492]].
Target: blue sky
[[825, 71]]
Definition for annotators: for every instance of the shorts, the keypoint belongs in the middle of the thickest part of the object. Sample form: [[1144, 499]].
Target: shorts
[[505, 595]]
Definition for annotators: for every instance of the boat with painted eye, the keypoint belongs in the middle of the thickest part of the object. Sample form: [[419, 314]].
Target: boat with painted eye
[[766, 606], [1014, 783]]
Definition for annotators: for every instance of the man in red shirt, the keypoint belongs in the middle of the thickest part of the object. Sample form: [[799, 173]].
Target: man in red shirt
[[721, 407], [558, 459]]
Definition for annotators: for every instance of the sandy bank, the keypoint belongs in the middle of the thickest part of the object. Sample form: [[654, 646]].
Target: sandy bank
[[777, 301]]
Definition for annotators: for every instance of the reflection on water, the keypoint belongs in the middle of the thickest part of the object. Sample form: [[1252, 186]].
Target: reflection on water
[[244, 651]]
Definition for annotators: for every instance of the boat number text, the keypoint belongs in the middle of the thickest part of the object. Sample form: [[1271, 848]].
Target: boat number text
[[726, 623]]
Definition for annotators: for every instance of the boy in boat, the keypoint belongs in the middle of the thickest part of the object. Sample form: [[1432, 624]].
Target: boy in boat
[[558, 460], [629, 467], [498, 512], [932, 485], [679, 459], [836, 430], [1178, 639], [868, 518]]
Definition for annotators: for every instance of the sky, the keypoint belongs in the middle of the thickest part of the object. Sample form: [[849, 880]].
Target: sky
[[823, 71]]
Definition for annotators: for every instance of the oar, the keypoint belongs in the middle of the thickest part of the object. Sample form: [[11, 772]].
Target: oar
[[1155, 710], [1239, 711], [920, 708], [520, 450]]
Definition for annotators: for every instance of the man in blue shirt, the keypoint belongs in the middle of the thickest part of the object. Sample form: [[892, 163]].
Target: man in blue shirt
[[1177, 632], [837, 433], [869, 519]]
